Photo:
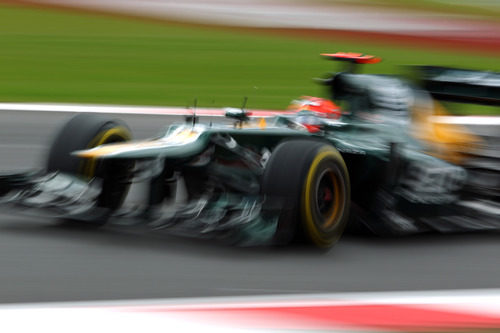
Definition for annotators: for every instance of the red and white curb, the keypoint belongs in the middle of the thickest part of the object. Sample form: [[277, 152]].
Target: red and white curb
[[469, 310], [209, 112]]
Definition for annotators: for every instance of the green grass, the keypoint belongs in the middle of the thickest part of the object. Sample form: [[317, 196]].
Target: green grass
[[468, 109], [57, 56]]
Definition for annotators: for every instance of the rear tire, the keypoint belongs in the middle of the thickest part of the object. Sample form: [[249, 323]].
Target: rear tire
[[85, 131], [311, 179]]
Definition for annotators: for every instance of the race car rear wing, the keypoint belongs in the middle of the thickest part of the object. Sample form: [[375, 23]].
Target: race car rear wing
[[358, 58], [461, 85], [352, 60]]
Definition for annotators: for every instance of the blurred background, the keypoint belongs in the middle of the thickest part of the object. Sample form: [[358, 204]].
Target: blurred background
[[161, 52], [168, 53]]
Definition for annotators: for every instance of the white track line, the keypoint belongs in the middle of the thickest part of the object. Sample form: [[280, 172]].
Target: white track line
[[124, 109], [211, 112], [468, 120]]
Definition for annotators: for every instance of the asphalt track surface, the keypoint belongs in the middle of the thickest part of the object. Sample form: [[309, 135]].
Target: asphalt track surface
[[42, 260]]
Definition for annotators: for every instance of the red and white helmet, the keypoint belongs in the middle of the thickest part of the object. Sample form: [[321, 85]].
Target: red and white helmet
[[320, 107]]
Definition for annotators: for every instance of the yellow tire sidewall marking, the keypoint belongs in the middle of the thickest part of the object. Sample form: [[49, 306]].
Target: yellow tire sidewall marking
[[101, 138], [307, 209]]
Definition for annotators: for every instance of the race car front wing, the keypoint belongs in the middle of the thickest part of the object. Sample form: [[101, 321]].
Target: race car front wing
[[231, 218]]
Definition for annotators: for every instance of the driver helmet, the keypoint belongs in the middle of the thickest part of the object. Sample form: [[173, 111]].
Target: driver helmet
[[320, 107]]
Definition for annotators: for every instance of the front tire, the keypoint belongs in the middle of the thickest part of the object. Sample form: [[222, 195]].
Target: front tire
[[85, 131], [312, 180]]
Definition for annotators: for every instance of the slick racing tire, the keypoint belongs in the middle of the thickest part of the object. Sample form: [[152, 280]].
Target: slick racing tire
[[311, 179], [86, 131]]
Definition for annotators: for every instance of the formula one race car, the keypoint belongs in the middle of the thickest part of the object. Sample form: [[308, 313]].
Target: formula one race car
[[304, 174]]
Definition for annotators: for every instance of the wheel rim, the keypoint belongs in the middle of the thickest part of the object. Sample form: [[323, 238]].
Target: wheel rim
[[325, 198], [328, 197], [112, 135]]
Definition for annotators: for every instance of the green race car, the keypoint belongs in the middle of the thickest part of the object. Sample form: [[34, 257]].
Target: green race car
[[369, 161]]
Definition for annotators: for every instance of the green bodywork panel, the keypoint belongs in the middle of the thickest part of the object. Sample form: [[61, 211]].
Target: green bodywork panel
[[185, 141]]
